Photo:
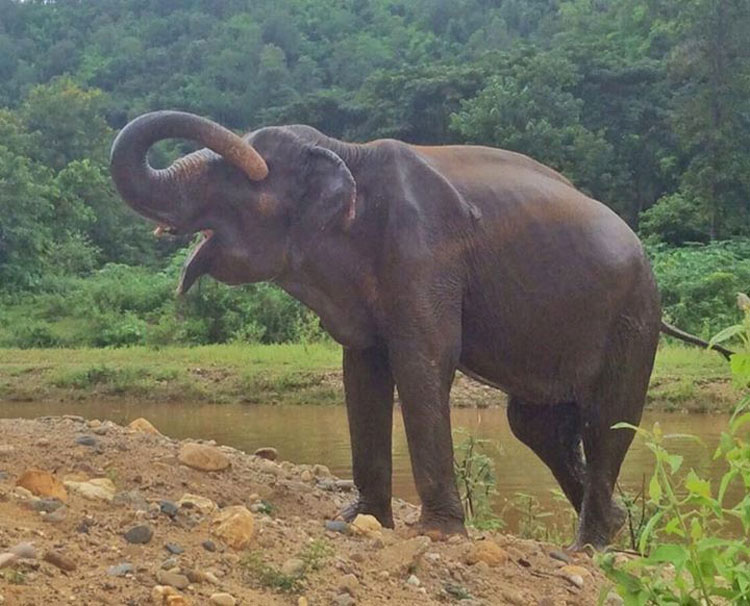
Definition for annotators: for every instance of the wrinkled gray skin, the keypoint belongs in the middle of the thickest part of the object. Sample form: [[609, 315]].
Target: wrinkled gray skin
[[421, 261]]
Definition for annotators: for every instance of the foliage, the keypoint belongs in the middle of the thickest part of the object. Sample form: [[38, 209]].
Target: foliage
[[313, 555], [475, 477], [687, 553]]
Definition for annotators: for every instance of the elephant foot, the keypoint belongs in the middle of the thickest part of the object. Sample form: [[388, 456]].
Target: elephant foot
[[597, 534], [439, 528], [382, 513]]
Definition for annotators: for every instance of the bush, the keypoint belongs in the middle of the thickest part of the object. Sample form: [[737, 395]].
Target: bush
[[699, 283]]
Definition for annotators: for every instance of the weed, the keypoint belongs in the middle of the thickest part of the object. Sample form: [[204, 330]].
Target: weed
[[313, 555], [475, 476]]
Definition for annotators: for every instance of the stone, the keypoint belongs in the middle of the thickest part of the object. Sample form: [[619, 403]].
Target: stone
[[337, 526], [267, 452], [576, 574], [293, 567], [174, 548], [614, 600], [169, 563], [202, 457], [24, 551], [487, 551], [193, 501], [97, 489], [57, 516], [235, 526], [46, 505], [59, 559], [511, 596], [167, 596], [173, 579], [413, 581], [222, 599], [321, 471], [131, 498], [344, 599], [349, 583], [403, 557], [302, 601], [120, 570], [144, 426], [6, 449], [169, 508], [6, 559], [93, 423], [366, 525], [560, 555], [42, 484], [139, 535], [195, 576], [209, 545], [86, 440]]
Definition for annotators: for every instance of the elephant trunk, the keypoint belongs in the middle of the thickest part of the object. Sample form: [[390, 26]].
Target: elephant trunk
[[159, 194]]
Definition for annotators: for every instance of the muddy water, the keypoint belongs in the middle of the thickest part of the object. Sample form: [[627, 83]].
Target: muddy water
[[314, 434]]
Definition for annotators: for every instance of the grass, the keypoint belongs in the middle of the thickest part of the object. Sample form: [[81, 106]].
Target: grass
[[683, 379]]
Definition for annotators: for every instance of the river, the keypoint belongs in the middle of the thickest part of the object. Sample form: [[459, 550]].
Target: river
[[318, 434]]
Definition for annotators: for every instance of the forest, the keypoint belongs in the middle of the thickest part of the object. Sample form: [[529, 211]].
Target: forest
[[643, 104]]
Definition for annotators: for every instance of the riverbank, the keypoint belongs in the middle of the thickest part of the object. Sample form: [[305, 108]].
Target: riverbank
[[684, 378], [95, 513]]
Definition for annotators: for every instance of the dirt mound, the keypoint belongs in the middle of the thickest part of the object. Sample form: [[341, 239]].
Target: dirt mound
[[95, 513]]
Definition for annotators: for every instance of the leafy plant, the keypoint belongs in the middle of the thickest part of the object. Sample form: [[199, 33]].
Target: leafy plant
[[687, 553], [475, 476], [312, 555]]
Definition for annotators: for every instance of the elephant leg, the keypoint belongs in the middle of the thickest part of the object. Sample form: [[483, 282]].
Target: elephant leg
[[553, 432], [618, 395], [424, 375], [369, 405]]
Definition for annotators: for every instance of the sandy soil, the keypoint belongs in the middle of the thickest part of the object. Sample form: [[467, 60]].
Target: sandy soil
[[78, 553]]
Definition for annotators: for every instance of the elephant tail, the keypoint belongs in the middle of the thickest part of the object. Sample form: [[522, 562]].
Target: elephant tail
[[673, 331]]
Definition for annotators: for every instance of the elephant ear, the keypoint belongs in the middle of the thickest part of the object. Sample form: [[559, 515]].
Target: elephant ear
[[330, 190]]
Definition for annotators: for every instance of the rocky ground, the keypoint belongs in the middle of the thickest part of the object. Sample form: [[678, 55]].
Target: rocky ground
[[95, 513]]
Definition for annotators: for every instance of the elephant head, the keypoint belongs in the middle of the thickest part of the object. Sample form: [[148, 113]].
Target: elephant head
[[254, 198]]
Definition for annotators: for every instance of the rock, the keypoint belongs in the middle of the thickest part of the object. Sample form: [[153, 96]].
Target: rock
[[131, 498], [546, 601], [402, 557], [337, 526], [344, 599], [413, 581], [42, 443], [349, 583], [169, 563], [57, 516], [195, 576], [174, 548], [614, 600], [6, 559], [59, 559], [96, 489], [511, 596], [267, 452], [24, 551], [173, 579], [367, 525], [46, 505], [560, 555], [6, 449], [344, 485], [139, 535], [93, 423], [42, 484], [144, 426], [486, 551], [306, 476], [321, 471], [167, 596], [209, 545], [202, 457], [120, 570], [222, 599], [235, 526], [293, 567], [168, 507], [302, 601], [86, 440], [577, 575], [193, 501]]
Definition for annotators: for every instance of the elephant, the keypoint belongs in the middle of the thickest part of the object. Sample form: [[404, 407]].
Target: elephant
[[421, 261]]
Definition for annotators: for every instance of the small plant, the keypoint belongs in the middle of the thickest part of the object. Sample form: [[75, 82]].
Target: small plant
[[313, 555], [687, 555], [475, 477]]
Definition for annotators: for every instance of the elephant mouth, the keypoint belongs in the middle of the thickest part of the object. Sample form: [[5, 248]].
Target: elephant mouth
[[197, 262]]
